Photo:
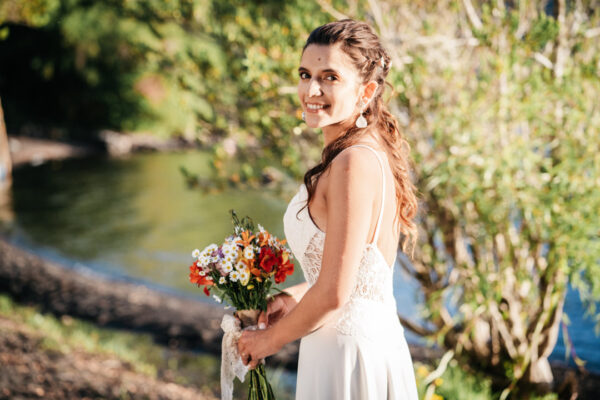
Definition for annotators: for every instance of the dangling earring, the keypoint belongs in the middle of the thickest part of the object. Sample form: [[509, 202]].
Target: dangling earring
[[303, 116], [361, 121]]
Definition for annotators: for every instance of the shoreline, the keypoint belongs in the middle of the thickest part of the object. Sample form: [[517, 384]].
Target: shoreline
[[28, 150]]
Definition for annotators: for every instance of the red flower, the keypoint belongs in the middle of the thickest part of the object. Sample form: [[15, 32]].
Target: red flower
[[285, 268], [267, 259], [206, 292]]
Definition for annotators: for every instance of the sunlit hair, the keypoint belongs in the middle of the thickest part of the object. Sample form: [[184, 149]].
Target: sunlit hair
[[358, 41]]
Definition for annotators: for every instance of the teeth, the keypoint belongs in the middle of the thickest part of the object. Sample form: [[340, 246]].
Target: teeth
[[315, 106]]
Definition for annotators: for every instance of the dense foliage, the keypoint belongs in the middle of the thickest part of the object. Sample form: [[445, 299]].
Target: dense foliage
[[219, 72], [499, 102]]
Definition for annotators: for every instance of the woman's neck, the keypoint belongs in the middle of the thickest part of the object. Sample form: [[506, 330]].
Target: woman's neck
[[332, 132]]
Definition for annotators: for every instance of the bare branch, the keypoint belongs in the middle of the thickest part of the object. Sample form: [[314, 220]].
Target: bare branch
[[415, 328], [542, 59], [473, 17], [503, 330], [590, 33]]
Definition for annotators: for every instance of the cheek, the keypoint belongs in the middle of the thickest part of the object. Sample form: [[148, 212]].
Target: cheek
[[345, 100], [301, 89]]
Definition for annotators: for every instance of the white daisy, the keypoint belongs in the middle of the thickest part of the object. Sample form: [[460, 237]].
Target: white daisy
[[195, 253], [210, 248], [222, 280], [234, 276], [201, 272], [227, 267], [260, 228], [249, 252], [244, 277], [240, 266]]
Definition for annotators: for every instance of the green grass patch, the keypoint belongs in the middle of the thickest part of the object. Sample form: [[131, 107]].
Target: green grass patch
[[457, 384]]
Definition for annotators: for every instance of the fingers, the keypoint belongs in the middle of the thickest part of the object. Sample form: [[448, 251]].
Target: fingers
[[253, 364], [245, 358], [263, 319]]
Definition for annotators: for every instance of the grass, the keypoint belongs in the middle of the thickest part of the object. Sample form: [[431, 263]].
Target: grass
[[66, 334], [457, 384]]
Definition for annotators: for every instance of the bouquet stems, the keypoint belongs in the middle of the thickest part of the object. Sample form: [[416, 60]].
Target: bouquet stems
[[260, 388]]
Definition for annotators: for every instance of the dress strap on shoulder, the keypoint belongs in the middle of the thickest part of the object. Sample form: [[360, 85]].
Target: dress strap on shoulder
[[376, 235]]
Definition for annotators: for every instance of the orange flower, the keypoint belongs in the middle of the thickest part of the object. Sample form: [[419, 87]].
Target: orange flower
[[196, 278], [263, 238], [246, 238]]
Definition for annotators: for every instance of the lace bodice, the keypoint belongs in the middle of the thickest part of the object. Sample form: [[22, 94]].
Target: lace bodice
[[306, 240]]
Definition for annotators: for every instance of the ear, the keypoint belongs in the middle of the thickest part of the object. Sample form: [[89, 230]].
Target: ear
[[369, 90]]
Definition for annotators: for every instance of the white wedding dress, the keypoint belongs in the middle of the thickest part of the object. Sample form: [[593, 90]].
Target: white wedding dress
[[361, 352]]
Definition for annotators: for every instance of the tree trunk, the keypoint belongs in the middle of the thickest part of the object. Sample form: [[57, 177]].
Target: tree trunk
[[5, 162]]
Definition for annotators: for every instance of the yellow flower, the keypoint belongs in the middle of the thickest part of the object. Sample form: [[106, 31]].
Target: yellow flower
[[422, 371], [249, 287], [436, 396], [438, 381]]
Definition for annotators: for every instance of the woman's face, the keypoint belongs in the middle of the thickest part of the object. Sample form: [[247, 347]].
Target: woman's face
[[329, 85]]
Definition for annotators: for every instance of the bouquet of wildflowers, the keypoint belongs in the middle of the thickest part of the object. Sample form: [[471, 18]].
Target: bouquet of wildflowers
[[241, 272]]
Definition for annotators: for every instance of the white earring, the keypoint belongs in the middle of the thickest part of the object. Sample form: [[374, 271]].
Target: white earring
[[303, 116], [361, 121]]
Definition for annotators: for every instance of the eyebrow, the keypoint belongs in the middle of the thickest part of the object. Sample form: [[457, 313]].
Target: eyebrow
[[302, 69]]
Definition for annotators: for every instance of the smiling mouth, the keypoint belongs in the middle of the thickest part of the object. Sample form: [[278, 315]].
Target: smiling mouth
[[316, 107]]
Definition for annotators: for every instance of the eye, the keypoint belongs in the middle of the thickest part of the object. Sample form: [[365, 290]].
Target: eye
[[331, 78], [304, 75]]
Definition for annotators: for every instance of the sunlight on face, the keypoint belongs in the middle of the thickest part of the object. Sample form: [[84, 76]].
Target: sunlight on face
[[329, 85]]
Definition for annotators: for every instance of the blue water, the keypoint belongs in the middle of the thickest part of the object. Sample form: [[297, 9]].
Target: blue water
[[134, 219]]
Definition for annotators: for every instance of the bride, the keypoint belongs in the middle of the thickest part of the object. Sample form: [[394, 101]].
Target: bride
[[344, 225]]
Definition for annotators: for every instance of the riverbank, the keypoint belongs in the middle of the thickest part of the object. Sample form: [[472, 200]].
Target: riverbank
[[26, 150], [48, 363]]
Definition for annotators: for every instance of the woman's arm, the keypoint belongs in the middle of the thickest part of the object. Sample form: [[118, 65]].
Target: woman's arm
[[351, 193], [296, 293]]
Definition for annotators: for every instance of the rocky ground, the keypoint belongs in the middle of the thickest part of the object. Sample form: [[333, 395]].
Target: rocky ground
[[29, 370]]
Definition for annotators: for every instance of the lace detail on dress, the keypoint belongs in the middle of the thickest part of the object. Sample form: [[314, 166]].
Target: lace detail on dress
[[313, 257], [374, 283]]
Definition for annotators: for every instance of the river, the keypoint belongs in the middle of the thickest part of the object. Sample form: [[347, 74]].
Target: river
[[134, 218]]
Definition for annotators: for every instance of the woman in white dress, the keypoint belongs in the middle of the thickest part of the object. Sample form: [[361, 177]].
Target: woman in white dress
[[343, 226]]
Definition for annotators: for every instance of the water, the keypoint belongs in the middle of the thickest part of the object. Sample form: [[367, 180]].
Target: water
[[136, 219]]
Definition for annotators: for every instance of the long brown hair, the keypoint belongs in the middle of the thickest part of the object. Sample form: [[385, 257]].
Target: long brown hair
[[372, 61]]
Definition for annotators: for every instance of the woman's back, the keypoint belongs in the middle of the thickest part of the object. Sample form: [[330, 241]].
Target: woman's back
[[360, 352]]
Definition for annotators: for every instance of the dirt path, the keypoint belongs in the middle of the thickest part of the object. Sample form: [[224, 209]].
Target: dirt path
[[31, 371]]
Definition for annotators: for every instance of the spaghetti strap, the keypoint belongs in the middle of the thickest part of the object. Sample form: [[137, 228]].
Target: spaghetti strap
[[376, 235]]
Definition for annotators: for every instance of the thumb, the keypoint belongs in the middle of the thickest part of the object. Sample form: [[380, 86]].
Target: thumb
[[263, 320]]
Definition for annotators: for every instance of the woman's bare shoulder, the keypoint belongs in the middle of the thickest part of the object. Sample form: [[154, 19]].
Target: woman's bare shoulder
[[354, 168]]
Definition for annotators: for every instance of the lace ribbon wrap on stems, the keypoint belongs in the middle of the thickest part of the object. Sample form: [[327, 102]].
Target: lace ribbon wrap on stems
[[231, 362]]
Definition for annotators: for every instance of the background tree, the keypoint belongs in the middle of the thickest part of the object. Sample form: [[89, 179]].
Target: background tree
[[498, 100]]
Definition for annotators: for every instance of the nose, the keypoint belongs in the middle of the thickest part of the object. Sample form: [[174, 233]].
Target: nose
[[314, 88]]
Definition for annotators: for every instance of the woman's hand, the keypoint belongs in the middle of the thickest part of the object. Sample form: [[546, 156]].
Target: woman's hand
[[253, 346], [277, 308]]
